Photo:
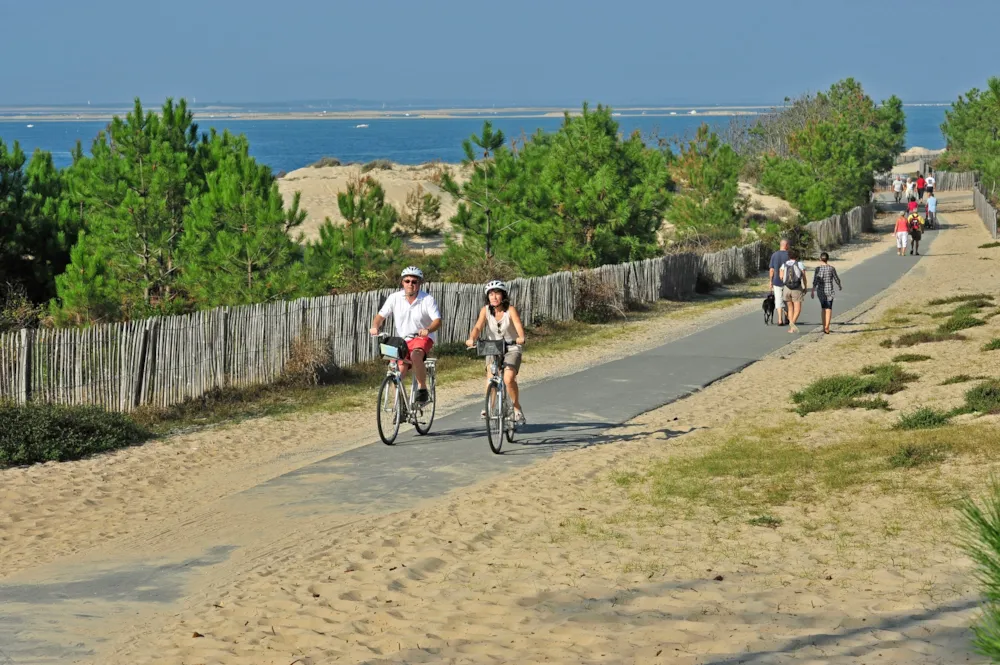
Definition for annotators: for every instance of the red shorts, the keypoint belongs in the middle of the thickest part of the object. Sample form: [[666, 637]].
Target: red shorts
[[425, 344]]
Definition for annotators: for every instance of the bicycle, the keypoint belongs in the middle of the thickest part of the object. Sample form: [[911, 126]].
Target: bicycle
[[393, 400], [500, 422]]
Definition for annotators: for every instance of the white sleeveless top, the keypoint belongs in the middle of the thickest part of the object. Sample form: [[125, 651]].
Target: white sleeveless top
[[502, 329]]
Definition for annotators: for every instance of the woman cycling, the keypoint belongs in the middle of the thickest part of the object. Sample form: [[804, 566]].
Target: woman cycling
[[498, 319]]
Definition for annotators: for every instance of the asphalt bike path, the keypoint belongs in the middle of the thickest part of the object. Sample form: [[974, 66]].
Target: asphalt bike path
[[57, 613]]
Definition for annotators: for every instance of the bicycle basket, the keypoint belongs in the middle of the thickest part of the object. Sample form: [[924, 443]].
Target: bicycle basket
[[394, 347], [491, 347]]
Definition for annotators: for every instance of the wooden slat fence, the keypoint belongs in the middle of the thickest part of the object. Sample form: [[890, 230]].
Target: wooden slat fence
[[985, 209], [950, 181], [945, 181], [839, 229], [165, 360]]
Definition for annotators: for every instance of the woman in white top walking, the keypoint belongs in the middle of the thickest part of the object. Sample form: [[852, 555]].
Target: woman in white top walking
[[498, 319]]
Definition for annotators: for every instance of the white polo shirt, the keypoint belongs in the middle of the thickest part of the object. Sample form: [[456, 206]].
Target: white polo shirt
[[411, 318]]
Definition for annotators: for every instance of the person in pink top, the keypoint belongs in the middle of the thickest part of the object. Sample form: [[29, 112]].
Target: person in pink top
[[912, 205], [921, 183], [902, 234]]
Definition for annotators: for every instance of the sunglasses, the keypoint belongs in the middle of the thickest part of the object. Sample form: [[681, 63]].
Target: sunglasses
[[411, 281]]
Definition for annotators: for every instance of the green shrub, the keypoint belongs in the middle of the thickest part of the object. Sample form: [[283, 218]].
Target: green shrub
[[910, 358], [911, 455], [960, 322], [984, 398], [992, 345], [981, 541], [926, 337], [597, 300], [325, 161], [960, 378], [965, 298], [379, 164], [847, 391], [46, 433], [922, 418], [765, 520]]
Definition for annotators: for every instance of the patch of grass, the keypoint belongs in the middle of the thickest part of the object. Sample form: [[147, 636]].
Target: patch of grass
[[992, 345], [911, 455], [765, 520], [36, 433], [886, 343], [922, 418], [960, 378], [625, 478], [926, 337], [981, 541], [960, 322], [848, 391], [990, 245], [758, 469], [963, 298], [325, 161], [910, 358], [899, 320], [984, 398]]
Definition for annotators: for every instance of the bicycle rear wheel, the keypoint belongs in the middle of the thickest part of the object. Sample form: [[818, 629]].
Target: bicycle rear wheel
[[425, 413], [389, 410], [494, 417]]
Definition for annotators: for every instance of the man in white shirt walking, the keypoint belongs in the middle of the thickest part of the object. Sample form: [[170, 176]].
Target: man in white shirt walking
[[415, 314], [897, 188]]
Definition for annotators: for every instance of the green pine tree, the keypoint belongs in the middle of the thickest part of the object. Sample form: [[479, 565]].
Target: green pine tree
[[237, 246]]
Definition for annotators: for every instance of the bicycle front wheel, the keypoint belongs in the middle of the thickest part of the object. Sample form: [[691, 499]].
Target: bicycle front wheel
[[425, 413], [390, 408], [494, 417]]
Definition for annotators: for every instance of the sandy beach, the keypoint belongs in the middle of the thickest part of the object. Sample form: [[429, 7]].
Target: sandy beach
[[560, 562]]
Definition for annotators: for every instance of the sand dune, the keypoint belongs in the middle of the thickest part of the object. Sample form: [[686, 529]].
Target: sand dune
[[319, 188]]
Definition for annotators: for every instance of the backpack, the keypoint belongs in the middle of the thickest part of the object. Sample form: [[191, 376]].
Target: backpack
[[793, 276]]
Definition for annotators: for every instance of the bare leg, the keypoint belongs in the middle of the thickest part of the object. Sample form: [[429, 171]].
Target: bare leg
[[827, 315], [510, 379], [794, 308], [419, 371]]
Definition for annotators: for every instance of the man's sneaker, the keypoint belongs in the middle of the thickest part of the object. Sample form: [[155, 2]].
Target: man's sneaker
[[422, 396]]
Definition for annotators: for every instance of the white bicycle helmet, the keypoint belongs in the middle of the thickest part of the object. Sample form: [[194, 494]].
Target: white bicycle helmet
[[496, 284], [412, 271]]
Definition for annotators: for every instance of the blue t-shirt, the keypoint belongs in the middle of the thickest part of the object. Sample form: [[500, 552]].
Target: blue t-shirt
[[778, 259]]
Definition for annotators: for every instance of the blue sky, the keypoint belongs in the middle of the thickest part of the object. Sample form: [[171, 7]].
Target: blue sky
[[512, 52]]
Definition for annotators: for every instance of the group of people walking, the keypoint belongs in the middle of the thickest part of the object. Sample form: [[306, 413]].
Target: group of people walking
[[909, 226], [789, 283]]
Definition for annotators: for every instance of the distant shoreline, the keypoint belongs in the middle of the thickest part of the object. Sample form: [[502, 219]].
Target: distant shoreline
[[28, 114]]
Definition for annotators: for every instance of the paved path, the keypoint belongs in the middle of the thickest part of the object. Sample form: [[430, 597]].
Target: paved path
[[81, 598]]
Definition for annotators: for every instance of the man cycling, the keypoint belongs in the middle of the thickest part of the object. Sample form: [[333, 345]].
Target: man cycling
[[416, 314]]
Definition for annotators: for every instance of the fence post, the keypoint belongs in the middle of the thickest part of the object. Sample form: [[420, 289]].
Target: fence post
[[24, 361], [140, 374]]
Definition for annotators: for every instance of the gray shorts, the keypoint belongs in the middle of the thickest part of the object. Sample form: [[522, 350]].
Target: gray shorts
[[511, 359]]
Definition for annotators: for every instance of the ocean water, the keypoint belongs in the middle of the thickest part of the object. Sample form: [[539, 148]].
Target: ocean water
[[285, 145]]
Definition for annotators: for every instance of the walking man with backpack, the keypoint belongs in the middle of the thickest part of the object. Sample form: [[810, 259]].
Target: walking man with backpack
[[774, 273], [793, 276]]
